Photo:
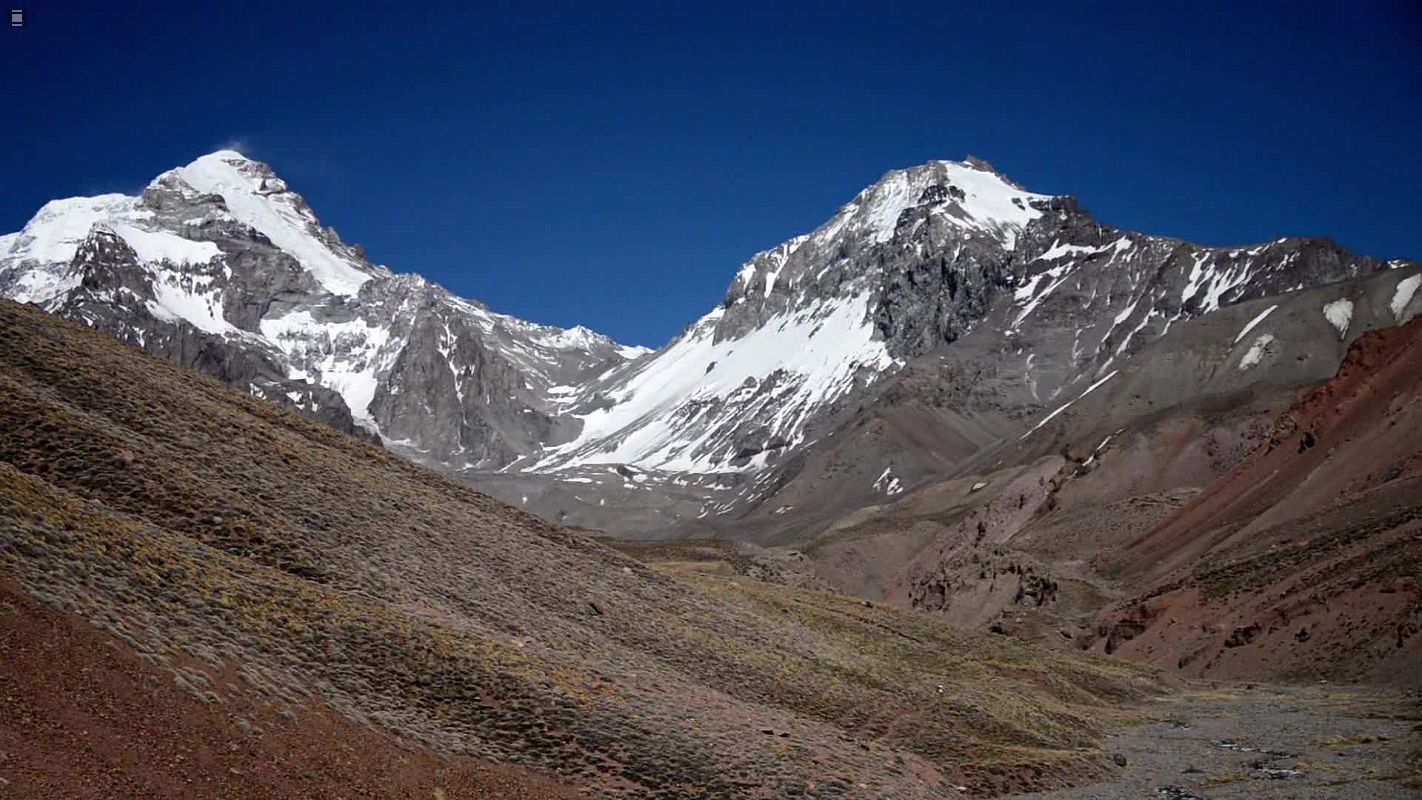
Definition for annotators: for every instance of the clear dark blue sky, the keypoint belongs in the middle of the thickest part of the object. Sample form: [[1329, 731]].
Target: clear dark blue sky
[[611, 164]]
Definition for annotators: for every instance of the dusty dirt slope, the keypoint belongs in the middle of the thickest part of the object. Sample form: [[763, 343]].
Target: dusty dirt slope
[[227, 541], [1306, 560]]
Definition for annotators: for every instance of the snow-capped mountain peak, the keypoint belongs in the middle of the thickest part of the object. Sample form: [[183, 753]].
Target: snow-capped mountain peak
[[945, 288], [220, 265], [803, 325], [964, 193], [256, 197]]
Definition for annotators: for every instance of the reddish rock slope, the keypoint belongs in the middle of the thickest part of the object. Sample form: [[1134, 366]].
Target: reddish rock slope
[[1303, 562]]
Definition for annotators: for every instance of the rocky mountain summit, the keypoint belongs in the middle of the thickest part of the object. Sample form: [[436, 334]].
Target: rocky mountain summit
[[943, 314], [219, 266]]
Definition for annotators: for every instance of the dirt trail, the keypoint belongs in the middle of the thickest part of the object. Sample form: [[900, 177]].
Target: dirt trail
[[1300, 743]]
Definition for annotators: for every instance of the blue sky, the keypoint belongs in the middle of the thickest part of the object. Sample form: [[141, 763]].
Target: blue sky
[[611, 164]]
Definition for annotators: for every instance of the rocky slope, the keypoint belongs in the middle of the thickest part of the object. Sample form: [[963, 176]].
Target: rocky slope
[[219, 266], [1306, 560], [1252, 534], [920, 332], [934, 320], [257, 557]]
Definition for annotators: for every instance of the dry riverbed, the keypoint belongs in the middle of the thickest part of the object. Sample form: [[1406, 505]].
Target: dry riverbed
[[1300, 743]]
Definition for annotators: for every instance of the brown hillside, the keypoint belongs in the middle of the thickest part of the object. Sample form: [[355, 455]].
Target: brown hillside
[[84, 717], [260, 559], [1306, 560]]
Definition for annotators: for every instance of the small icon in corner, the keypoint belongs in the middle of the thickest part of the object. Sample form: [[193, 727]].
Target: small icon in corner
[[17, 18]]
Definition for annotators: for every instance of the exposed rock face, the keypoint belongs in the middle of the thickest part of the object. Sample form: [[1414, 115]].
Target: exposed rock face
[[221, 267], [941, 314]]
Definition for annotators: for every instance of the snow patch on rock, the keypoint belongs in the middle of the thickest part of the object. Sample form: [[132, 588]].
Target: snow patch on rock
[[1064, 406], [1256, 351], [158, 246], [348, 357], [888, 483], [661, 417], [190, 300], [1340, 314], [1249, 326], [1402, 295]]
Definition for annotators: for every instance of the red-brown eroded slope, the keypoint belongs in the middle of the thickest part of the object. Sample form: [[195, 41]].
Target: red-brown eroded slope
[[1305, 560], [82, 717]]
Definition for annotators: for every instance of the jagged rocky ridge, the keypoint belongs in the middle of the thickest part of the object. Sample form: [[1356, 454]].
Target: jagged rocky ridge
[[221, 267], [982, 308], [914, 263], [944, 286]]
